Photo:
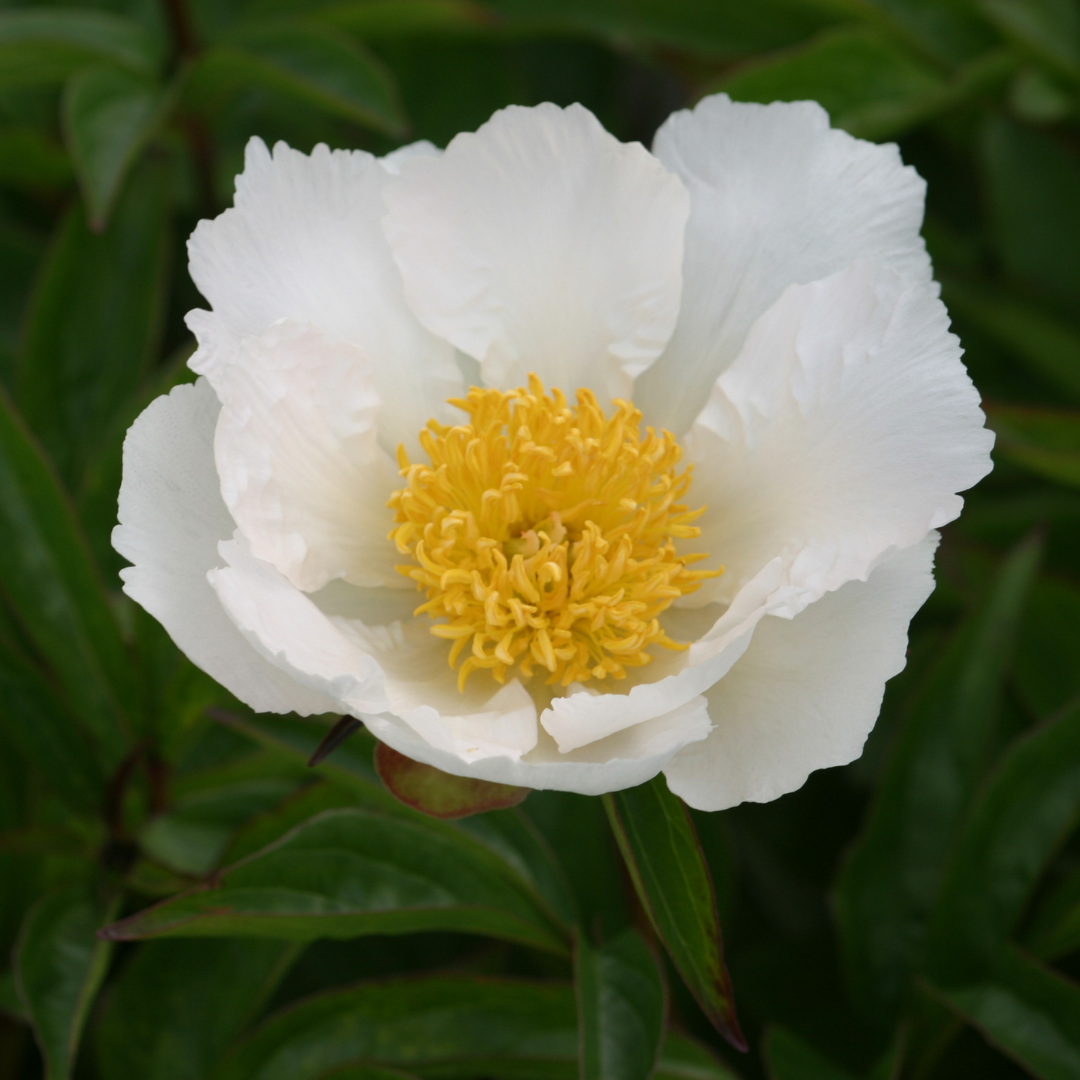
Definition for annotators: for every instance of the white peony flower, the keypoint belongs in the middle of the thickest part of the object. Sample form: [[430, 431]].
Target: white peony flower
[[413, 483]]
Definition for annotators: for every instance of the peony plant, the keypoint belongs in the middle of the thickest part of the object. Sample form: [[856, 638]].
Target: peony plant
[[559, 463]]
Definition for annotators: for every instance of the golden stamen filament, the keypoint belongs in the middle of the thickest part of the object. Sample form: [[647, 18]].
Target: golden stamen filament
[[543, 535]]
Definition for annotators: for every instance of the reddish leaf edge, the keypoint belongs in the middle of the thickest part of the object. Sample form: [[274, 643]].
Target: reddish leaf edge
[[438, 794], [725, 1021]]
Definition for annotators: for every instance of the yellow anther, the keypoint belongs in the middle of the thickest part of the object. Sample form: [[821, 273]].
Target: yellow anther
[[544, 535]]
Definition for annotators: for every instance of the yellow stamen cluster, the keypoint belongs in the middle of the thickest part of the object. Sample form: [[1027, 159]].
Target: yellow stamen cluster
[[543, 534]]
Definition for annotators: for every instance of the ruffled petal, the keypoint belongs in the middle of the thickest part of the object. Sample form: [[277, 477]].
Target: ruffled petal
[[300, 465], [288, 629], [393, 161], [171, 520], [840, 434], [777, 198], [367, 668], [623, 760], [541, 243], [582, 717], [304, 242], [807, 691]]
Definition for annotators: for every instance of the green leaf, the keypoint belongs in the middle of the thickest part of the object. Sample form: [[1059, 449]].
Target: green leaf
[[1047, 345], [790, 1058], [1028, 1011], [347, 873], [59, 965], [365, 1072], [1037, 96], [440, 1026], [178, 1005], [1032, 179], [887, 888], [1046, 441], [192, 835], [11, 1005], [1023, 813], [109, 114], [468, 1026], [946, 31], [48, 576], [686, 1059], [577, 828], [315, 63], [507, 833], [33, 162], [94, 321], [266, 828], [438, 794], [48, 734], [1055, 927], [869, 85], [662, 853], [350, 763], [714, 28], [45, 45], [621, 1008], [516, 840], [1051, 31], [370, 19]]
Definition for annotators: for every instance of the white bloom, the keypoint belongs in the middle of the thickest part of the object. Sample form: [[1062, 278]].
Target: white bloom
[[756, 286]]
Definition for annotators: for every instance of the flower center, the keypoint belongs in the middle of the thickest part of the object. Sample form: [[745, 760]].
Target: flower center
[[543, 534]]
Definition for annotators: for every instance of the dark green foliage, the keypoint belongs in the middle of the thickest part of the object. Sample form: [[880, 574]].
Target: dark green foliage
[[621, 1008], [668, 868], [914, 916]]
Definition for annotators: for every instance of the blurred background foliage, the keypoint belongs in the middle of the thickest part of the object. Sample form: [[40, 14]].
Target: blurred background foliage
[[915, 914]]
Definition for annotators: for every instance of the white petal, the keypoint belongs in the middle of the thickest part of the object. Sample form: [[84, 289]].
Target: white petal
[[393, 161], [672, 679], [620, 761], [841, 433], [171, 519], [286, 627], [808, 690], [400, 668], [541, 243], [304, 242], [300, 465], [776, 199], [505, 726]]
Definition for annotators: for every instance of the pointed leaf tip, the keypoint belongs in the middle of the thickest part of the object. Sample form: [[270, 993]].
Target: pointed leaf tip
[[334, 738], [667, 866]]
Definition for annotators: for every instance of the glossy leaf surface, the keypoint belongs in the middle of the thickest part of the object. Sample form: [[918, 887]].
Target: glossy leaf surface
[[662, 853], [316, 63], [41, 724], [870, 86], [1023, 813], [109, 114], [96, 296], [1030, 1012], [507, 833], [179, 1004], [48, 576], [45, 45], [352, 872], [59, 965], [441, 1026], [621, 1008]]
